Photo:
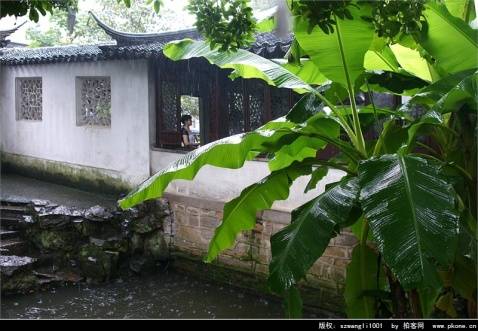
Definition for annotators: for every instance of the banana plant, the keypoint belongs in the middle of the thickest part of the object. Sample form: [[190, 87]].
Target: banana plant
[[409, 197]]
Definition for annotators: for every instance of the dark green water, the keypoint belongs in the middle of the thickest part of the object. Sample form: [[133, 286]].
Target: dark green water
[[166, 295]]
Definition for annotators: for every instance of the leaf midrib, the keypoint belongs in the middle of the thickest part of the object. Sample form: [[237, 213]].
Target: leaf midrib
[[237, 207], [285, 253], [448, 22], [380, 55], [342, 54], [412, 208]]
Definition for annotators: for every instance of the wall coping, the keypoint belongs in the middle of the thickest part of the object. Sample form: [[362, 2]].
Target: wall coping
[[278, 216]]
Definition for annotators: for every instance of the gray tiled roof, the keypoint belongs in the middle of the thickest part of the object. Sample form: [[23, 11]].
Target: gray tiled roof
[[129, 46], [85, 53]]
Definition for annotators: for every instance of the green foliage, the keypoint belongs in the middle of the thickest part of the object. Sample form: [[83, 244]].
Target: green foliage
[[410, 192], [84, 31], [138, 18], [395, 18], [344, 49], [411, 211], [316, 176], [461, 9], [300, 149], [293, 303], [364, 277], [230, 152], [228, 25], [449, 40], [244, 63], [321, 13], [296, 247], [34, 8], [451, 92], [240, 213]]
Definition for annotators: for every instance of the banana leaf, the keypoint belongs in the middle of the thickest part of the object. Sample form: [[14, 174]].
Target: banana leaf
[[412, 214]]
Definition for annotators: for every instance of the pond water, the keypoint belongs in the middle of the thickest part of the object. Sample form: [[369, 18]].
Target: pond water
[[166, 295]]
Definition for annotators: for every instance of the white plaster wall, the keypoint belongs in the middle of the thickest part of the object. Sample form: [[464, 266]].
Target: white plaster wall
[[122, 149], [225, 184]]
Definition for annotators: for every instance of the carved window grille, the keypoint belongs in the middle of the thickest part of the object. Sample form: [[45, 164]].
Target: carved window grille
[[170, 105], [228, 107], [235, 107], [256, 104], [29, 99], [280, 104], [93, 101]]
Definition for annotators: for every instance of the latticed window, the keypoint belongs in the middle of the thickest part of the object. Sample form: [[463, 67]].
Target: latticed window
[[170, 105], [29, 99], [227, 107], [280, 104], [235, 107], [93, 101], [256, 116]]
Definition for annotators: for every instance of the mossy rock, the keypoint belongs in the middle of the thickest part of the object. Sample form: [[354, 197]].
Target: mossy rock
[[146, 224], [96, 264], [55, 240], [136, 243], [23, 282], [115, 243], [156, 247]]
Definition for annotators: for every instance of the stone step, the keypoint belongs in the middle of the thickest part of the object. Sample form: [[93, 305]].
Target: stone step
[[7, 234], [13, 212], [13, 208], [10, 223], [9, 264], [13, 246]]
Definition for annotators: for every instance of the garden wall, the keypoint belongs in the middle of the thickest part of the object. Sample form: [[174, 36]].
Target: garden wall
[[194, 224], [55, 144]]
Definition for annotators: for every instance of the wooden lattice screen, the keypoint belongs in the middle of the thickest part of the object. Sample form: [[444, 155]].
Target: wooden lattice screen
[[228, 106]]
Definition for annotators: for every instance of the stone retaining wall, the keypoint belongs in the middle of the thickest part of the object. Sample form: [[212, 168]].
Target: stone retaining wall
[[194, 224], [61, 244], [96, 243]]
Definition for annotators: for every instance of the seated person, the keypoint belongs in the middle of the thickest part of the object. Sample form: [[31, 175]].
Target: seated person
[[187, 137]]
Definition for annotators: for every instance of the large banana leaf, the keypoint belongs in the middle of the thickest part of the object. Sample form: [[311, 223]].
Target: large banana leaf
[[451, 41], [411, 61], [315, 177], [391, 139], [463, 9], [293, 303], [244, 63], [310, 104], [430, 95], [431, 120], [464, 93], [381, 59], [307, 71], [464, 271], [428, 297], [412, 215], [300, 149], [339, 55], [296, 247], [230, 152], [240, 213], [363, 276], [393, 82]]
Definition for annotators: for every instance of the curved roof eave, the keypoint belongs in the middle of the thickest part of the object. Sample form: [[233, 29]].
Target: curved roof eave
[[128, 38]]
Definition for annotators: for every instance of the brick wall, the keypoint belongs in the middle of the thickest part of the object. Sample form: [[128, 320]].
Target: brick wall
[[194, 224]]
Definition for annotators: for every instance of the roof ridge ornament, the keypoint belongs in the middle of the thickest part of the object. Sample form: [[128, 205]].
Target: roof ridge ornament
[[5, 33], [128, 38]]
